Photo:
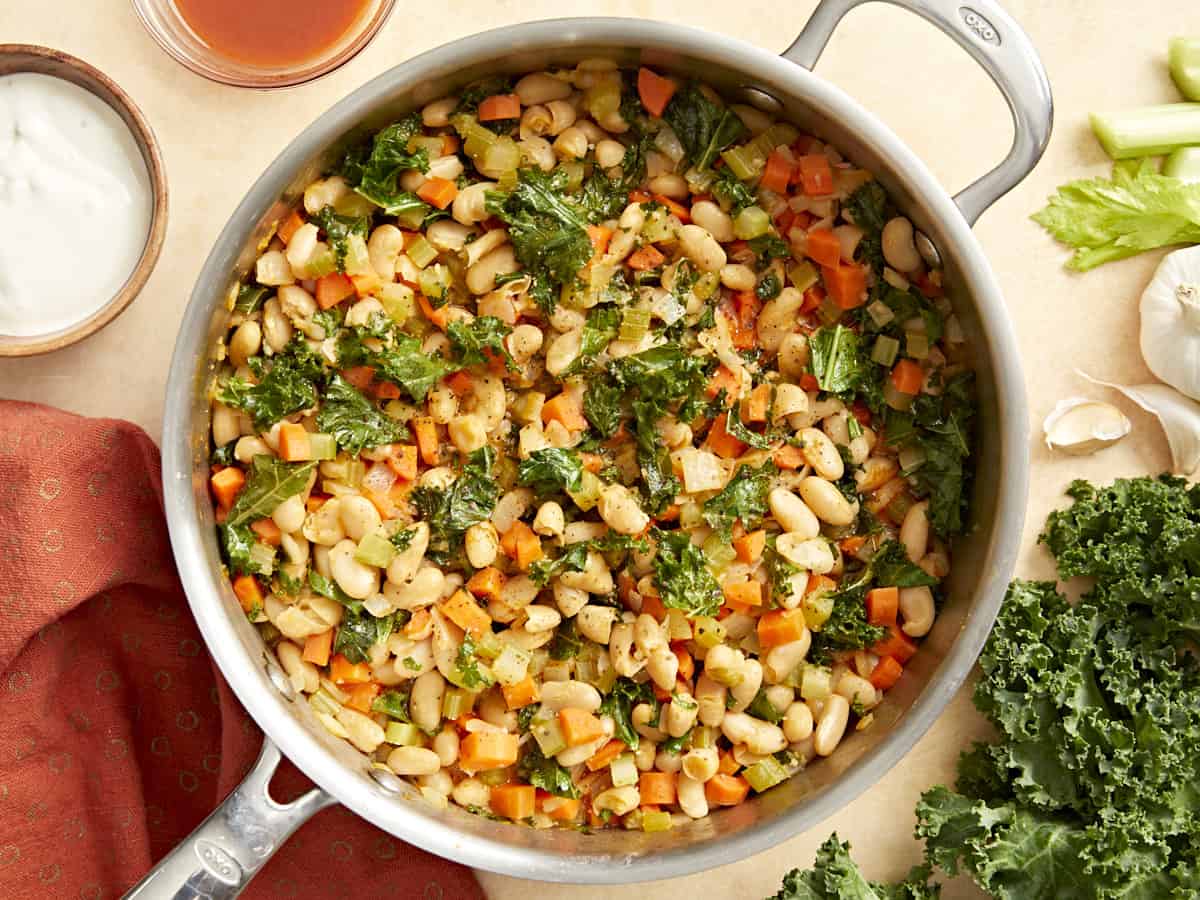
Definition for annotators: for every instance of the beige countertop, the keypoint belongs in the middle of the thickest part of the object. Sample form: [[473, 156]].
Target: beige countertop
[[216, 140]]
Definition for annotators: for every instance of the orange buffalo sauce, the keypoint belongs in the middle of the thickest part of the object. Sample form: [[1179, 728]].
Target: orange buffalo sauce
[[270, 33]]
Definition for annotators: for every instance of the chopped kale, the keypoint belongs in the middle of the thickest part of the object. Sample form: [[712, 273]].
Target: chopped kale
[[682, 575], [354, 421]]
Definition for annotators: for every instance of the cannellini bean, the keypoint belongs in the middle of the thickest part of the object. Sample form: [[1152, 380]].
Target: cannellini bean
[[225, 424], [914, 530], [573, 756], [789, 400], [743, 693], [778, 318], [779, 661], [820, 453], [827, 502], [541, 87], [798, 722], [711, 698], [356, 579], [423, 589], [701, 248], [692, 799], [413, 761], [663, 667], [681, 714], [538, 151], [549, 520], [758, 736], [494, 710], [714, 220], [425, 702], [541, 618], [738, 277], [249, 447], [246, 342], [793, 355], [447, 234], [792, 513], [404, 564], [535, 121], [562, 351], [524, 342], [558, 695], [619, 508], [899, 248], [571, 143], [570, 601], [519, 591], [668, 760], [876, 472], [277, 329], [595, 577], [361, 730], [511, 507], [917, 609], [303, 675], [325, 525], [289, 515], [359, 516], [857, 689], [620, 651], [831, 724], [644, 755], [701, 763], [609, 153], [437, 114], [596, 622], [481, 277], [482, 544], [469, 204], [648, 634], [471, 792], [383, 249], [813, 554], [562, 116], [617, 800], [641, 716], [669, 185]]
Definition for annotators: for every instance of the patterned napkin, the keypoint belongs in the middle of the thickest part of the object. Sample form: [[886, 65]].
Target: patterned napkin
[[117, 735]]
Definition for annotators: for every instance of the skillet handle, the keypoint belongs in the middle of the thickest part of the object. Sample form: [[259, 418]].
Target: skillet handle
[[218, 859], [1004, 51]]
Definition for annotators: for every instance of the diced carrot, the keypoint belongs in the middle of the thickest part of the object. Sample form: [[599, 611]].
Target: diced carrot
[[363, 695], [427, 439], [638, 197], [657, 788], [360, 377], [726, 790], [403, 461], [742, 331], [522, 545], [860, 411], [566, 408], [289, 226], [749, 547], [652, 605], [248, 592], [788, 457], [226, 484], [785, 220], [851, 545], [816, 175], [886, 673], [819, 584], [754, 407], [605, 755], [512, 801], [780, 626], [333, 288], [907, 377], [813, 298], [579, 726], [687, 665], [722, 379], [675, 208], [520, 694], [268, 532], [342, 671], [461, 609], [808, 382], [882, 605], [778, 172], [846, 284], [592, 462], [645, 257], [743, 593], [670, 514], [385, 390], [824, 247], [562, 809], [317, 647], [450, 144], [439, 317], [314, 502], [366, 283], [460, 382], [483, 750], [599, 235], [419, 625], [293, 442], [438, 192], [654, 91], [486, 583], [726, 764], [500, 106], [721, 442], [220, 515], [897, 644]]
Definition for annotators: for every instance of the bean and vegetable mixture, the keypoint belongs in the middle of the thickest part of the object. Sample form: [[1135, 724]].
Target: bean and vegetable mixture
[[588, 449]]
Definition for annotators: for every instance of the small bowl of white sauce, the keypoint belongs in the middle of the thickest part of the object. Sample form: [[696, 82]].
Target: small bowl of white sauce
[[83, 200]]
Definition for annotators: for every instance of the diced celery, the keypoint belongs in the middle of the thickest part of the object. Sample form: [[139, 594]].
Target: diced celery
[[704, 737], [817, 607], [1148, 131], [321, 264], [658, 226], [493, 777], [634, 324], [802, 275], [587, 666], [357, 260], [476, 137], [501, 157], [457, 702], [398, 301], [829, 312], [421, 252], [751, 222], [816, 682], [322, 446], [354, 204], [706, 285], [911, 458], [1183, 55], [730, 676], [588, 494], [603, 98], [263, 557], [708, 632], [896, 398], [374, 550], [654, 820], [404, 734], [624, 770], [488, 646], [880, 313], [766, 773], [718, 551], [430, 144], [691, 514], [575, 171], [1183, 164], [433, 281], [411, 219], [507, 180], [916, 344], [548, 733], [355, 470], [885, 350], [744, 162]]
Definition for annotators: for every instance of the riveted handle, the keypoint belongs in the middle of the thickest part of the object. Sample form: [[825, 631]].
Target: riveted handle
[[219, 858], [1004, 51]]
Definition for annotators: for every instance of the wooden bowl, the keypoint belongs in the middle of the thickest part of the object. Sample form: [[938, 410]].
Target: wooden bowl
[[28, 58]]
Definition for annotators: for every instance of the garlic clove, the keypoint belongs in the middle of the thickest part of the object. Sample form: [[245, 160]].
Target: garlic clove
[[1080, 426], [1179, 416]]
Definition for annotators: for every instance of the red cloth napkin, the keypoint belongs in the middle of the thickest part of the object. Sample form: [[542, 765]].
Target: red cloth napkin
[[117, 734]]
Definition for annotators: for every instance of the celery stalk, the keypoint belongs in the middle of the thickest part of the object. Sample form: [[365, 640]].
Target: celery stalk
[[1184, 59], [1184, 164], [1149, 131]]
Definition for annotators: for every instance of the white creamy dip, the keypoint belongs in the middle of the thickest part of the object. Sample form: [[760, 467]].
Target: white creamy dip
[[75, 204]]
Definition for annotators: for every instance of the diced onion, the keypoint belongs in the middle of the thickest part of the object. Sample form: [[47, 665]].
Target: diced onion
[[379, 478], [702, 471], [668, 144]]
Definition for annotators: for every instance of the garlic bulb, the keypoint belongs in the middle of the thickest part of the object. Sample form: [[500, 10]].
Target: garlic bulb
[[1179, 416], [1080, 426], [1170, 312]]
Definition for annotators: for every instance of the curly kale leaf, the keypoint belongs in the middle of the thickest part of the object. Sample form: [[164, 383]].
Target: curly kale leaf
[[551, 469], [359, 632], [353, 420], [838, 361], [682, 575], [374, 170], [287, 386], [743, 498], [479, 341], [399, 359], [338, 230], [270, 482], [732, 191], [544, 772], [703, 127], [466, 502], [870, 209], [835, 876], [619, 702]]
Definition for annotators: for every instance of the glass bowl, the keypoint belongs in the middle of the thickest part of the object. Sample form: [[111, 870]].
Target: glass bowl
[[172, 32]]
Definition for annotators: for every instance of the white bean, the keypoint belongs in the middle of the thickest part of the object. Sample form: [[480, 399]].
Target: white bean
[[549, 520], [820, 453], [827, 502], [711, 697], [359, 516], [918, 610], [914, 530], [691, 797], [356, 579], [246, 342], [482, 544], [831, 724], [541, 87], [899, 249], [481, 277], [471, 792], [425, 703], [303, 675], [714, 220], [617, 800], [792, 513], [812, 554], [797, 723], [558, 695], [779, 661], [413, 761], [619, 508], [437, 113], [701, 248], [289, 515], [570, 601], [596, 622]]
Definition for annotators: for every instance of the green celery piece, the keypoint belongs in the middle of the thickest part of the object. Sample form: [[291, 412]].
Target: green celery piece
[[1183, 56], [1148, 131], [1184, 164]]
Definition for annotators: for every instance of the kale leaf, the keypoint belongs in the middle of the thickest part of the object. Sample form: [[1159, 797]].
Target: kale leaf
[[838, 362], [606, 198], [466, 502], [682, 575], [353, 420], [359, 632], [474, 675], [619, 702], [732, 191], [869, 207], [399, 359], [835, 876], [479, 341], [393, 703], [544, 772], [287, 386], [338, 230], [270, 482], [374, 171], [250, 298], [891, 567], [236, 543], [600, 328], [744, 498], [703, 127], [566, 643], [573, 559], [602, 407], [551, 469]]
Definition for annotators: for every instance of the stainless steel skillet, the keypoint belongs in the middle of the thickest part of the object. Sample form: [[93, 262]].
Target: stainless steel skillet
[[234, 842]]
